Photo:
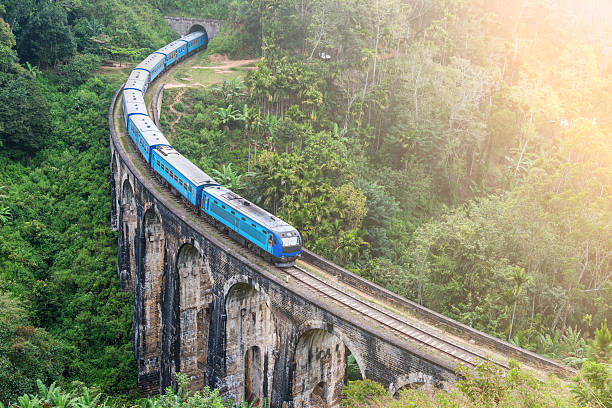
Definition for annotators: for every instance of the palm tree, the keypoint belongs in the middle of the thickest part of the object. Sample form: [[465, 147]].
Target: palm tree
[[520, 278], [228, 178], [226, 115]]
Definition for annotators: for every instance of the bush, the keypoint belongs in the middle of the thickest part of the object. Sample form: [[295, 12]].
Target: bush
[[26, 352], [362, 392], [79, 70]]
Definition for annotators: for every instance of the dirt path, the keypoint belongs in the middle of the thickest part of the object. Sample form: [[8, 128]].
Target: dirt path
[[177, 114], [226, 66]]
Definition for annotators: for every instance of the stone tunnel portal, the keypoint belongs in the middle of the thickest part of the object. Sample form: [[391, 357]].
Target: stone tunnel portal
[[197, 27]]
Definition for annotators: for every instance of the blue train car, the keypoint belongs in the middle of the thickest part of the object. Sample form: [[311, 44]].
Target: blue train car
[[182, 174], [194, 41], [146, 135], [154, 64], [138, 80], [133, 104], [173, 52], [271, 234]]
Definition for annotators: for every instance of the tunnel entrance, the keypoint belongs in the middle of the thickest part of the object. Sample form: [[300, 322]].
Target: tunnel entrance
[[196, 27]]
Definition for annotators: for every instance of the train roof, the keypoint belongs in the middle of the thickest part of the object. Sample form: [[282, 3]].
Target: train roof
[[249, 209], [138, 79], [134, 102], [150, 62], [189, 170], [151, 133], [192, 36], [171, 47]]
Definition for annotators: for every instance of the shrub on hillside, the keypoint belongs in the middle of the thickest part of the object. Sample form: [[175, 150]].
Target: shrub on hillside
[[362, 392]]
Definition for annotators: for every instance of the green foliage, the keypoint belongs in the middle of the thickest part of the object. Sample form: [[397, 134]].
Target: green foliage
[[352, 368], [24, 114], [48, 32], [593, 386], [182, 398], [228, 178], [26, 352], [215, 9], [361, 392], [64, 267], [79, 69], [600, 349], [489, 386], [45, 37], [7, 43]]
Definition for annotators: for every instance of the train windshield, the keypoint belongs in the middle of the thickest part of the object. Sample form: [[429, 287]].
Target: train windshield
[[290, 241]]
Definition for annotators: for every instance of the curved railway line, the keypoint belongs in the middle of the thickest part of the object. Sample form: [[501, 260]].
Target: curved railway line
[[433, 334], [400, 326]]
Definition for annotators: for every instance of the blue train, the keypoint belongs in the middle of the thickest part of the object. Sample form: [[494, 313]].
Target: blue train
[[249, 224]]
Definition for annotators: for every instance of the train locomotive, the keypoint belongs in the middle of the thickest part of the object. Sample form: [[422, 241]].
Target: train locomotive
[[252, 226]]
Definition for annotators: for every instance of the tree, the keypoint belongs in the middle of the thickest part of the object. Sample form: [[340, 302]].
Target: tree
[[519, 278], [46, 37], [79, 69], [7, 43], [24, 114], [27, 353], [227, 177]]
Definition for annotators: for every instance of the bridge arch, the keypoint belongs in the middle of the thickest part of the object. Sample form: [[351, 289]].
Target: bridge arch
[[320, 369], [318, 324], [246, 280], [415, 379], [195, 296], [126, 265], [250, 343]]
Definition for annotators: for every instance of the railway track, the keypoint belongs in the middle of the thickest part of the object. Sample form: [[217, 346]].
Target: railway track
[[403, 328]]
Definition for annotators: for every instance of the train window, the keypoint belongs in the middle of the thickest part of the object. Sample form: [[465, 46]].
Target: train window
[[158, 163], [254, 225], [175, 178], [181, 182], [233, 212], [190, 189], [166, 170], [216, 202], [243, 219]]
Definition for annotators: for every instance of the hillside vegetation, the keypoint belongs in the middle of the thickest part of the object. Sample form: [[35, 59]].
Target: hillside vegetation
[[457, 152]]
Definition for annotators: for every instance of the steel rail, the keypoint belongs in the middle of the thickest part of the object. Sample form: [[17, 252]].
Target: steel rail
[[396, 324]]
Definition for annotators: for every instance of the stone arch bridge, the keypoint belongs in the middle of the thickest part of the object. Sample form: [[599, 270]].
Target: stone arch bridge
[[206, 307], [186, 25]]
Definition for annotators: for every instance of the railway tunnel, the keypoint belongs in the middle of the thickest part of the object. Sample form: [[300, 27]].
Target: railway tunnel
[[186, 25]]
